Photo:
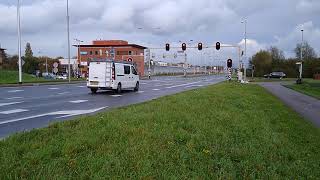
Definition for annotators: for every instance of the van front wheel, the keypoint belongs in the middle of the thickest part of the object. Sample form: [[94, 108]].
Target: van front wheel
[[137, 87]]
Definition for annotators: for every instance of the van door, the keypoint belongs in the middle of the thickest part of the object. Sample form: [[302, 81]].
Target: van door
[[97, 74], [135, 76], [127, 77]]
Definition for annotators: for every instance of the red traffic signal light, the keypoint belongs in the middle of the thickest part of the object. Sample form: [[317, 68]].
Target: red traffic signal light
[[167, 47], [229, 63], [199, 46], [218, 46], [184, 46]]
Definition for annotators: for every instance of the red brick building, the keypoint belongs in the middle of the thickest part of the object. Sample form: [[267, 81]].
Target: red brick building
[[118, 50]]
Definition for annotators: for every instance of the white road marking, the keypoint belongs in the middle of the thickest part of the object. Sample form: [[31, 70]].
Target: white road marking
[[78, 101], [13, 111], [156, 89], [143, 83], [183, 85], [66, 113], [14, 98], [7, 104], [158, 85], [140, 92], [14, 91], [117, 95], [53, 88], [81, 86], [63, 93]]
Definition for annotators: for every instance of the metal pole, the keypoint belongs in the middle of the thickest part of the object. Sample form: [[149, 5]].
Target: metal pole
[[185, 64], [149, 63], [47, 65], [19, 43], [68, 29], [301, 47], [245, 48]]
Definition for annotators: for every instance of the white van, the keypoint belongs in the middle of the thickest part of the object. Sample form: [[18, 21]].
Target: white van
[[112, 75]]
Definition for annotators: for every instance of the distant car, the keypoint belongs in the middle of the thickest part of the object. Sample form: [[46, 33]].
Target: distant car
[[275, 75], [49, 76], [63, 77]]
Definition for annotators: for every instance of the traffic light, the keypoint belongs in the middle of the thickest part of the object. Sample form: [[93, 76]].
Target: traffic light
[[218, 46], [184, 46], [167, 47], [229, 63], [253, 67], [199, 46]]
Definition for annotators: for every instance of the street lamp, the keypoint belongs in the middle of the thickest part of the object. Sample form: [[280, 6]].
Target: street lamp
[[245, 45], [68, 29], [301, 47], [19, 42]]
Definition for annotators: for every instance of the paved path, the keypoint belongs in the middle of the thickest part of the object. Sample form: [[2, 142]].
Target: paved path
[[306, 106], [25, 108]]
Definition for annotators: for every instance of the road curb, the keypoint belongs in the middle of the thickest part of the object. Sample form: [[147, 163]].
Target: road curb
[[39, 84]]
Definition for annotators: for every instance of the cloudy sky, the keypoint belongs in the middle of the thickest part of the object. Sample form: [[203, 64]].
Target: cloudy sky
[[270, 22]]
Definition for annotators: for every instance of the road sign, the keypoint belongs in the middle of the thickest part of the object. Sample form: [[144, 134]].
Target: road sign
[[55, 70], [55, 65], [129, 59]]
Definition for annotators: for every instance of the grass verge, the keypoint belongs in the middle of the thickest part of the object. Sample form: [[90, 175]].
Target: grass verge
[[12, 77], [309, 87], [224, 131]]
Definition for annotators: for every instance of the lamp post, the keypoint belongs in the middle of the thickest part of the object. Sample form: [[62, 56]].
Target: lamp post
[[19, 42], [68, 29], [301, 47], [245, 46]]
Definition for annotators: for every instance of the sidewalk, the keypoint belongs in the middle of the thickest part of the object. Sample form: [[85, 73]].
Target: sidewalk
[[308, 107]]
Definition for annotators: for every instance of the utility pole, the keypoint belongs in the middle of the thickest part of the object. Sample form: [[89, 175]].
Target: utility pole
[[185, 64], [245, 47], [301, 47], [68, 29], [79, 53], [19, 42], [149, 62]]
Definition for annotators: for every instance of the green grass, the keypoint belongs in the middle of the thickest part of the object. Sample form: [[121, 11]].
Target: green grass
[[309, 87], [227, 131], [12, 77]]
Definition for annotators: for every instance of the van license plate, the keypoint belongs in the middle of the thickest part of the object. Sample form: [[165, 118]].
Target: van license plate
[[94, 83]]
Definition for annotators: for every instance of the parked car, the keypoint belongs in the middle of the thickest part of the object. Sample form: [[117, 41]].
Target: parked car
[[49, 76], [112, 75], [275, 75], [63, 77]]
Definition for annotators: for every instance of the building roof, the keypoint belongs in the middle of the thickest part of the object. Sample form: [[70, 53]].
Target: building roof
[[1, 49], [115, 46]]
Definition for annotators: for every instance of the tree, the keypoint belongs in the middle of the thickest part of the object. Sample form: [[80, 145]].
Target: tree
[[277, 56], [308, 52], [28, 51], [262, 61]]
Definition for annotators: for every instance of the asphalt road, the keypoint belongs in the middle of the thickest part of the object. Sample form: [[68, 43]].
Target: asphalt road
[[25, 108], [308, 107]]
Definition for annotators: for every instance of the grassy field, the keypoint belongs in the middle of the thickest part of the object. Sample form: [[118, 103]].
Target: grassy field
[[227, 131], [309, 87], [12, 77]]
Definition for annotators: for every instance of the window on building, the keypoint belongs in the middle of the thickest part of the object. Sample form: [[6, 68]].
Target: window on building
[[96, 52], [91, 53], [122, 53], [130, 53], [126, 69], [100, 51], [107, 53]]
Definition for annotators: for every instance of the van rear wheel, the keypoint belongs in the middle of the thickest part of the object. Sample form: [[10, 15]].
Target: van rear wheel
[[119, 88], [137, 87], [94, 90]]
